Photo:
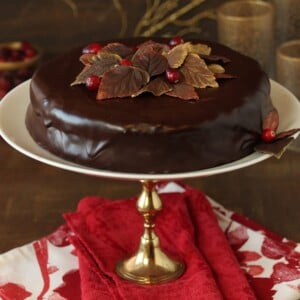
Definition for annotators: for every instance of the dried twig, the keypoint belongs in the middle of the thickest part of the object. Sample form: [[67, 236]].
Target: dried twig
[[123, 16], [73, 6], [160, 14]]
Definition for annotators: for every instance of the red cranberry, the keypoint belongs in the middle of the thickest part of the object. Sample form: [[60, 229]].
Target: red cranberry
[[25, 45], [125, 62], [268, 135], [30, 53], [92, 82], [176, 41], [16, 55], [92, 48], [173, 75], [5, 53]]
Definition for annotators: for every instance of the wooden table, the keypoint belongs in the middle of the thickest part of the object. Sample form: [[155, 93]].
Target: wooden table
[[33, 196]]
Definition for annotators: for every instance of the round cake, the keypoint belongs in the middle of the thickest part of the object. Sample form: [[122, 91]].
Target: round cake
[[142, 121]]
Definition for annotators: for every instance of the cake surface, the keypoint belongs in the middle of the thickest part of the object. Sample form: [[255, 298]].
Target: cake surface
[[149, 134]]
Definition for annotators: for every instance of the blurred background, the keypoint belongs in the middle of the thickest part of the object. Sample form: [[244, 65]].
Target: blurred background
[[57, 25]]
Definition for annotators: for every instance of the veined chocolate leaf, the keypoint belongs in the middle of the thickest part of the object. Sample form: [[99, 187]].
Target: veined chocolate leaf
[[100, 63], [212, 58], [86, 59], [286, 133], [158, 47], [177, 55], [196, 72], [276, 148], [118, 48], [157, 87], [271, 121], [200, 49], [183, 91], [149, 60], [216, 68], [122, 81]]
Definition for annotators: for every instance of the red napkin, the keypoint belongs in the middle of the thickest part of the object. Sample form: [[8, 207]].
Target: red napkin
[[106, 230]]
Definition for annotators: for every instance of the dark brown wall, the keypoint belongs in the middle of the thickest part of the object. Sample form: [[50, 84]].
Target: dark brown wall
[[56, 25]]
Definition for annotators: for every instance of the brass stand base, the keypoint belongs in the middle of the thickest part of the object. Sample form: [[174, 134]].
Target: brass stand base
[[139, 270], [150, 265]]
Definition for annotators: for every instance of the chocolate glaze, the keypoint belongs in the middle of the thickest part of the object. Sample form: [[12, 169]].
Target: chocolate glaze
[[148, 134]]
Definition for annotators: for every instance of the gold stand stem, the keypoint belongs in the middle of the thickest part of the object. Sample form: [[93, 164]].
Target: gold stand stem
[[150, 264]]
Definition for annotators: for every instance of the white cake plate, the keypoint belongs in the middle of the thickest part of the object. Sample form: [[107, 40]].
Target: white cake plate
[[150, 264]]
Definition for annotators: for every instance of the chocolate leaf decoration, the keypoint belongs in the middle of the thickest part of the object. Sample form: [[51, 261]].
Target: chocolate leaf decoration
[[158, 47], [200, 49], [216, 68], [271, 120], [215, 58], [177, 55], [196, 72], [286, 133], [224, 76], [279, 145], [157, 87], [276, 148], [86, 59], [122, 81], [101, 63], [183, 91], [148, 59], [118, 48]]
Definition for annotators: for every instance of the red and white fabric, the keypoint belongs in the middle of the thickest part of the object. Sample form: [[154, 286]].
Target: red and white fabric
[[68, 265]]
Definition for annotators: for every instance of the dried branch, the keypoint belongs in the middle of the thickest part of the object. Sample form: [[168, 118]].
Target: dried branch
[[151, 8], [188, 30], [160, 15], [73, 6], [207, 14], [123, 16]]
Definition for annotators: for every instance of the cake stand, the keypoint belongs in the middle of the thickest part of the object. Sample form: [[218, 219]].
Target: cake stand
[[149, 265]]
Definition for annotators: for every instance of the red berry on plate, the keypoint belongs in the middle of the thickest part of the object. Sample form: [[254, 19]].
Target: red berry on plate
[[92, 82], [268, 135], [125, 62], [30, 53], [177, 40], [173, 75], [25, 45], [5, 53], [92, 48], [16, 55]]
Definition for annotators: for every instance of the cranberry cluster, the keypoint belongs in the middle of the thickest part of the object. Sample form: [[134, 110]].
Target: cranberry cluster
[[93, 81], [17, 52]]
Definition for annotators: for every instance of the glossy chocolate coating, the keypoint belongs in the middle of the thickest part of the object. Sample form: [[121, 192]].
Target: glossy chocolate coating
[[148, 134]]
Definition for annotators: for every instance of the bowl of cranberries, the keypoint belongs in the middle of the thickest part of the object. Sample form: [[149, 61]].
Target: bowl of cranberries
[[17, 63]]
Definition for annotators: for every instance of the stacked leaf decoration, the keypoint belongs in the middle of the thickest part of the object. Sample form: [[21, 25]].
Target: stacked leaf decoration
[[146, 72]]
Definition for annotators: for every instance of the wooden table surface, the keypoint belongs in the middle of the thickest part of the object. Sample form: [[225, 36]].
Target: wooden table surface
[[33, 196]]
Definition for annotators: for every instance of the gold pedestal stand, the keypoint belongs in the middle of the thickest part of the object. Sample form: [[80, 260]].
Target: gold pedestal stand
[[150, 265]]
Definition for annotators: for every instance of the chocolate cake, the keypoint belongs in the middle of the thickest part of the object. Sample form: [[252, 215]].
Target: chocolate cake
[[144, 133]]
